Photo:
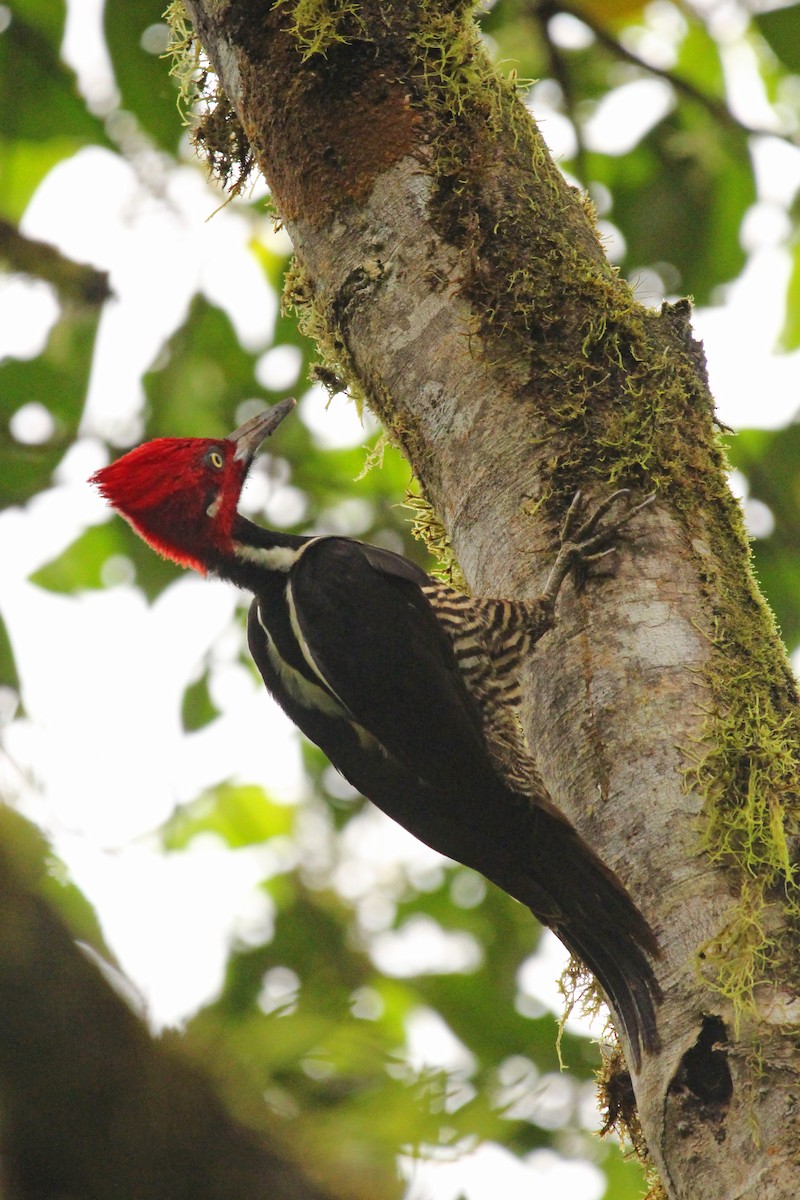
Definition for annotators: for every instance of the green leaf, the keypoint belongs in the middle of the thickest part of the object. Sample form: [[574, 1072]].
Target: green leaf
[[242, 815], [8, 668], [780, 28], [85, 564], [142, 75], [47, 17], [198, 709], [699, 60], [790, 334], [57, 379], [79, 567], [313, 934], [38, 94]]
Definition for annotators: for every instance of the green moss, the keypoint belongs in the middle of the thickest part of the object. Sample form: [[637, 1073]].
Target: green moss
[[335, 370], [580, 993], [747, 769], [617, 1102], [754, 758], [215, 129], [623, 393], [219, 136], [427, 528], [655, 1188], [184, 54], [319, 24], [657, 433]]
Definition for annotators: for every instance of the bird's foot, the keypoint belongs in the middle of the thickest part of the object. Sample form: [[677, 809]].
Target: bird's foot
[[582, 540]]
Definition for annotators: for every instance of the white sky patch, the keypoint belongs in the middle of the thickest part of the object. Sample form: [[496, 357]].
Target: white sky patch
[[28, 311], [422, 947], [279, 368], [334, 421], [477, 1175], [777, 167], [84, 48], [159, 248], [625, 115], [172, 918], [752, 384], [33, 424], [569, 32], [538, 980], [432, 1044]]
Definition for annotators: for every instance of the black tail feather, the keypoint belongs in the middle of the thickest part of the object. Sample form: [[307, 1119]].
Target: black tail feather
[[569, 889], [626, 976]]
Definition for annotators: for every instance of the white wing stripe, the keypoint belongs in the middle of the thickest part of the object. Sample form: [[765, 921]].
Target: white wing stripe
[[306, 652]]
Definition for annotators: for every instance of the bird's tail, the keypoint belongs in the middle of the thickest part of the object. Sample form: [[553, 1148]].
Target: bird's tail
[[570, 890]]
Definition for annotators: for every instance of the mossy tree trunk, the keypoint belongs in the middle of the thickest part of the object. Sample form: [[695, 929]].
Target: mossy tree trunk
[[458, 284]]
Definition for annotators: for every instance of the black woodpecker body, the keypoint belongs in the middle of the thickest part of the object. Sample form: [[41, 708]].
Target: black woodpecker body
[[409, 688]]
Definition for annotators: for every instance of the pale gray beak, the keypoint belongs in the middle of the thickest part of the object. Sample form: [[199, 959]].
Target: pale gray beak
[[248, 437]]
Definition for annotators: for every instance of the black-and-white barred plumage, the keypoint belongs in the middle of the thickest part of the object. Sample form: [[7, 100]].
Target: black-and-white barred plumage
[[490, 638]]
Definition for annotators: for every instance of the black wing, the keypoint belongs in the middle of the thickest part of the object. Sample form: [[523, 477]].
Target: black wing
[[373, 636], [368, 631]]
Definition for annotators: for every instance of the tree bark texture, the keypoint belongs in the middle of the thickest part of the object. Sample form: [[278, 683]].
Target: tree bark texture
[[457, 283]]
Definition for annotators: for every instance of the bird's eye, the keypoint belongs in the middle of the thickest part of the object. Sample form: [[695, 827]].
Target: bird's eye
[[215, 459]]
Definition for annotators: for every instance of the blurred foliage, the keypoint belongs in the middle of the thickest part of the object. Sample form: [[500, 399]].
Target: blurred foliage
[[56, 379], [44, 119], [770, 461], [137, 38], [240, 816], [305, 1019], [780, 28]]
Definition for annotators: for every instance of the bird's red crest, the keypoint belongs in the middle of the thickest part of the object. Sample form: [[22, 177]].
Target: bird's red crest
[[179, 494]]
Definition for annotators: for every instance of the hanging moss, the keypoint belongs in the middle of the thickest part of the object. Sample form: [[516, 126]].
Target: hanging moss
[[183, 53], [215, 130], [617, 1102], [335, 369], [316, 25], [427, 527]]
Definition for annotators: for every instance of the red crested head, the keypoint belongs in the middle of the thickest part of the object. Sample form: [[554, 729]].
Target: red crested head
[[180, 494]]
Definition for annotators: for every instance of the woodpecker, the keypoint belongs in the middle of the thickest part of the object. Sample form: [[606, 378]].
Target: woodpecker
[[410, 688]]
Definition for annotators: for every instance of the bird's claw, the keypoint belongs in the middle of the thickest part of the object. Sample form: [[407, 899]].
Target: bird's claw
[[582, 543], [586, 538]]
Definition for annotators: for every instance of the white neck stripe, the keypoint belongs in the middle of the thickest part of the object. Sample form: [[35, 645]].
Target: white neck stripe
[[274, 558]]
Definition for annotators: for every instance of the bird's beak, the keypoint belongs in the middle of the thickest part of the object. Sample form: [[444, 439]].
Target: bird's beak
[[248, 437]]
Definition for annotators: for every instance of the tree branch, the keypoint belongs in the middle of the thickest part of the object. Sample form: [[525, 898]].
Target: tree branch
[[75, 281], [90, 1104], [717, 109]]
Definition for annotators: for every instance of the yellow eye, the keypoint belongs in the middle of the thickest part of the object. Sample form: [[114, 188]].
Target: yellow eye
[[215, 459]]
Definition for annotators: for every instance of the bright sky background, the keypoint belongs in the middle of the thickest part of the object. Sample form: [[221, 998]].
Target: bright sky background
[[100, 759]]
